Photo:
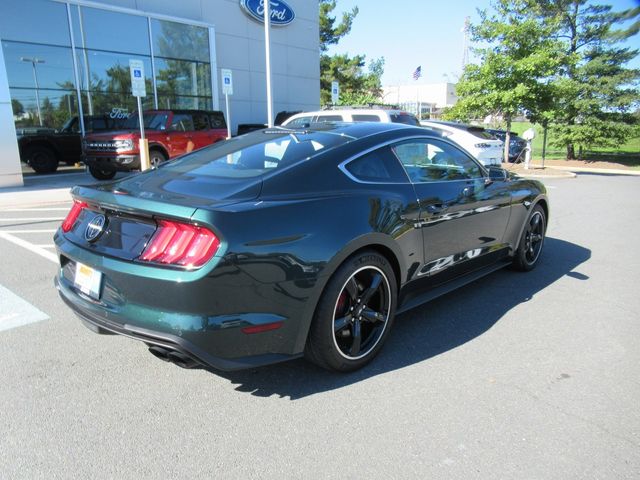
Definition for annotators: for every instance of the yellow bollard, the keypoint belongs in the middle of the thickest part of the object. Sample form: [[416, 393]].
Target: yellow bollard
[[144, 154]]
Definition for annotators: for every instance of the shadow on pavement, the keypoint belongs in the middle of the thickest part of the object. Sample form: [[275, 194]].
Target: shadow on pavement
[[427, 331]]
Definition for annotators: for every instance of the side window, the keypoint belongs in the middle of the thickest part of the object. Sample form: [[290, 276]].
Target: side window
[[217, 120], [378, 166], [435, 161], [329, 118], [365, 118], [182, 122], [200, 121]]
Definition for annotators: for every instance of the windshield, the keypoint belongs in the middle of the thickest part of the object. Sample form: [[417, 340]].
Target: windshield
[[152, 121], [257, 155]]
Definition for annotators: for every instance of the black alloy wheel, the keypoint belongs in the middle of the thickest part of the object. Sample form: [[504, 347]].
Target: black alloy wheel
[[354, 315], [101, 173], [42, 159], [156, 157], [532, 241]]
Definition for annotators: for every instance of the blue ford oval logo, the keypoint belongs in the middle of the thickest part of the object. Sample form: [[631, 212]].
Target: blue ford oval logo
[[95, 228], [281, 13]]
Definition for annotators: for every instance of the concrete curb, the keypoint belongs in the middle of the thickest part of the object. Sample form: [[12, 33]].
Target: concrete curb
[[610, 171], [526, 174], [21, 197], [43, 190]]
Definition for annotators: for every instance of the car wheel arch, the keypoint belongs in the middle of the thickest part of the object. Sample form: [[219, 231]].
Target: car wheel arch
[[544, 203], [42, 144], [382, 244], [158, 147]]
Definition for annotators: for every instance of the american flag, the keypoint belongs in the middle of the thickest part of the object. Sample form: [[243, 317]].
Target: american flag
[[418, 73]]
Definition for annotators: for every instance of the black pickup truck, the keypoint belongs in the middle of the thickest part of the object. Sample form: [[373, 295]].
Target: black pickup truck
[[42, 149]]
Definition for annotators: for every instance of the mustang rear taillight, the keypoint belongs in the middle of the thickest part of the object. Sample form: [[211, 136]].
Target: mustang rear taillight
[[180, 244], [73, 215]]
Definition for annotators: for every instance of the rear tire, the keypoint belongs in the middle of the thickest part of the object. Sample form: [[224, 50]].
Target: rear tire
[[354, 315], [101, 174], [42, 159], [532, 240]]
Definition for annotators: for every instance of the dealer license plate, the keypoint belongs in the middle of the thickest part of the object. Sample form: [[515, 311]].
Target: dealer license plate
[[88, 280]]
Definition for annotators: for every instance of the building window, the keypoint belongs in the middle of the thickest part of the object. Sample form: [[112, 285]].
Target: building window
[[38, 52]]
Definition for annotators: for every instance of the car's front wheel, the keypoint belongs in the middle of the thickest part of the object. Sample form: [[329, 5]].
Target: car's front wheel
[[532, 240], [101, 173], [156, 157], [354, 314]]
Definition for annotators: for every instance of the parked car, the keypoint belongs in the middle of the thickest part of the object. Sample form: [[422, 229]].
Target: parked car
[[516, 143], [44, 149], [352, 115], [286, 242], [170, 133], [475, 140], [251, 127]]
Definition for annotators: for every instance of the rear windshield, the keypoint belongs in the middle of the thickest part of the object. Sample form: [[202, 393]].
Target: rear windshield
[[480, 133], [256, 154], [404, 118]]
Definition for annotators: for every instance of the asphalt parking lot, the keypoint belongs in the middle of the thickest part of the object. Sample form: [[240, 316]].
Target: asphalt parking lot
[[515, 376]]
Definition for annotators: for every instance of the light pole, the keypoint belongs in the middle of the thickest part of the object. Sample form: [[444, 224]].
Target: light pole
[[33, 61], [267, 48]]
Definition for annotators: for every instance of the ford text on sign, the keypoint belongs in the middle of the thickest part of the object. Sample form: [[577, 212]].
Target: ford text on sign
[[281, 13]]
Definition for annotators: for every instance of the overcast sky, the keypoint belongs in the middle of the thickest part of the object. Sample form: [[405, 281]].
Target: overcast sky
[[408, 33]]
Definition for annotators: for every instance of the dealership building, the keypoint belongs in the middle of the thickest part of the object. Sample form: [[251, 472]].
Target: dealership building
[[65, 58]]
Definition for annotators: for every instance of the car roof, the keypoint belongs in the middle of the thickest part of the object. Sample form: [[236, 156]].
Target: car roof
[[351, 111], [353, 129]]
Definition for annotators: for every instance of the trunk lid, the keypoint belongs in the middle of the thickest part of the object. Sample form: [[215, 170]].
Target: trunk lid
[[130, 206]]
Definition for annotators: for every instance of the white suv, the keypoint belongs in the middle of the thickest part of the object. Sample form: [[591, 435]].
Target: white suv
[[475, 140], [352, 115]]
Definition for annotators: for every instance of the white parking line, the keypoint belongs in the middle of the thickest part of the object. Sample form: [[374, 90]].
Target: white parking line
[[52, 230], [32, 219], [15, 312], [29, 246], [44, 245], [45, 209]]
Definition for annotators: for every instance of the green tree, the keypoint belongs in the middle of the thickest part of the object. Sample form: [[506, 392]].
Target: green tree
[[517, 56], [594, 92], [17, 107], [330, 33], [357, 85]]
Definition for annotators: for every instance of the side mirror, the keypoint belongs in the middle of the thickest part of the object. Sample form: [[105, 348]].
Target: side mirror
[[498, 174]]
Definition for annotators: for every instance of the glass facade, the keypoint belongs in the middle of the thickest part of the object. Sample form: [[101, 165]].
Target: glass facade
[[39, 44]]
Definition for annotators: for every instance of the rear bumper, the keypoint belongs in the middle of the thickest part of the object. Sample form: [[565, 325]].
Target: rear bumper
[[101, 324], [121, 163]]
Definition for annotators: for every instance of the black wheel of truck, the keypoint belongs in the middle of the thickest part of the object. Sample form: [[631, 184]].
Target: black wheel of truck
[[101, 173], [42, 159], [156, 157]]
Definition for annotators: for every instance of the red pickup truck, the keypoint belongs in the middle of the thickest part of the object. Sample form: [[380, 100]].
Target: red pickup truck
[[170, 133]]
